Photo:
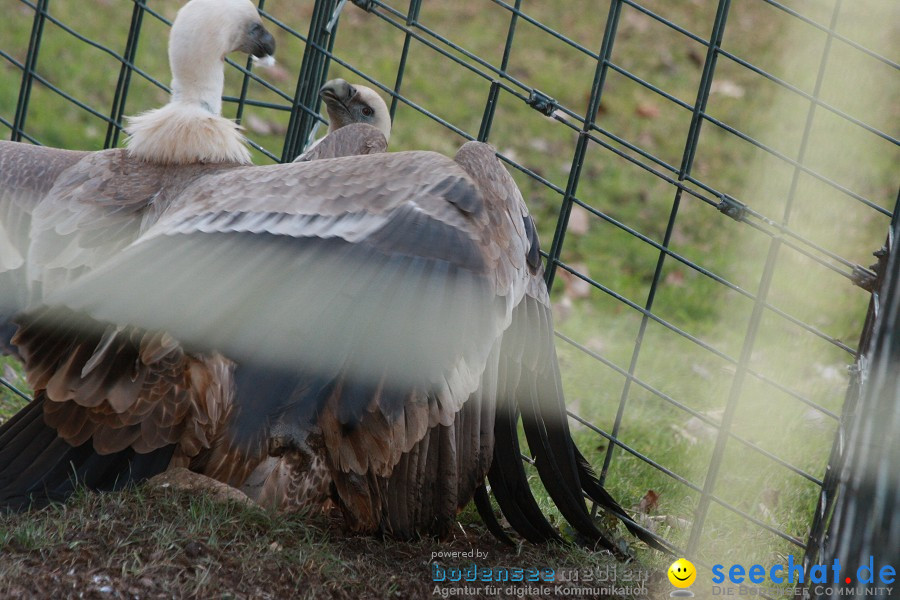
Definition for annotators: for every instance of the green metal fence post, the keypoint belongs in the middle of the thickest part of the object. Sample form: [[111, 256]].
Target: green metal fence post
[[34, 44], [562, 223], [313, 74], [124, 84]]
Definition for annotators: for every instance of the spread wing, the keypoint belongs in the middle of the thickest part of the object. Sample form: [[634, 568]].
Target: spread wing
[[97, 207], [388, 320], [350, 140], [62, 213], [371, 292], [26, 175]]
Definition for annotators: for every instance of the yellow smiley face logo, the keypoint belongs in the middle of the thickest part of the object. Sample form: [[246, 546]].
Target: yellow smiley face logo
[[682, 573]]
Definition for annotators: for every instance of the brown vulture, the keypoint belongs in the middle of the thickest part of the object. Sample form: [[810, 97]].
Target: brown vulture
[[385, 323], [64, 212], [348, 104], [384, 319]]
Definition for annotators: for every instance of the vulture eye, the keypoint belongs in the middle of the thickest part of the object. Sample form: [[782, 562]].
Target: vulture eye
[[368, 111]]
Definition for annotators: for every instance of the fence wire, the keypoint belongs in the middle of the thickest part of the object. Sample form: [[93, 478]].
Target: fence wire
[[502, 84]]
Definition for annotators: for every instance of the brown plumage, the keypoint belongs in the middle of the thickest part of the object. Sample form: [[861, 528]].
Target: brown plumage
[[73, 211], [388, 323]]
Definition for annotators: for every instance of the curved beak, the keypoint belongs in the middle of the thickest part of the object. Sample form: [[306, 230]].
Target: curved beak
[[259, 42], [337, 91]]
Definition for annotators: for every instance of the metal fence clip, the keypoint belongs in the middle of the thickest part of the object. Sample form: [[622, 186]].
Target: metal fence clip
[[730, 207], [542, 102]]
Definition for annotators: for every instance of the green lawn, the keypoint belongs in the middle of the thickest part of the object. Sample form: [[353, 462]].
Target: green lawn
[[702, 380]]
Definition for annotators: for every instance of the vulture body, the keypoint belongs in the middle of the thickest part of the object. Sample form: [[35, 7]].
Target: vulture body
[[64, 212], [367, 329], [385, 323]]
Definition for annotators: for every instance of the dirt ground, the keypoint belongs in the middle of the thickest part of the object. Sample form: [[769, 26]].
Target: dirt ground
[[165, 544]]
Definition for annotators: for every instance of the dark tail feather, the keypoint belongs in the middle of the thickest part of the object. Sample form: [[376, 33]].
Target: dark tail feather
[[486, 511], [591, 485], [554, 457], [545, 421], [37, 467], [566, 474], [558, 460], [509, 483]]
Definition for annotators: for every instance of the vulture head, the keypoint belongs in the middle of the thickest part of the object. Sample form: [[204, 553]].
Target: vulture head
[[190, 128], [348, 104], [203, 32]]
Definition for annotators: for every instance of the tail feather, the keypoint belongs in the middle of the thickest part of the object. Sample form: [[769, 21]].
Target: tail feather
[[554, 457], [530, 381], [37, 467], [591, 485], [486, 511], [509, 483]]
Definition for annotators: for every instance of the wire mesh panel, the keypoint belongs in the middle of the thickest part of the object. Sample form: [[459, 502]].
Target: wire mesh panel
[[709, 178]]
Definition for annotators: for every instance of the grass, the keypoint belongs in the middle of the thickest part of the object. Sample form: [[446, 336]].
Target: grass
[[10, 402], [102, 545], [692, 375]]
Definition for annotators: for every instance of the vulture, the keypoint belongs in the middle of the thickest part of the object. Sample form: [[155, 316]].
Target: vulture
[[64, 212], [191, 128], [347, 104], [385, 323], [365, 328]]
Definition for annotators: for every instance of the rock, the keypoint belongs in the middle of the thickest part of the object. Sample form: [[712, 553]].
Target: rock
[[180, 478]]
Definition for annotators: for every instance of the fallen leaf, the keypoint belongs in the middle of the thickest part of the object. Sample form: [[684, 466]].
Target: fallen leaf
[[540, 144], [649, 502], [595, 344], [701, 371], [682, 433], [726, 88], [259, 125], [647, 110], [576, 287], [672, 521], [579, 220], [769, 497], [675, 278], [277, 73], [699, 428], [695, 57], [562, 309]]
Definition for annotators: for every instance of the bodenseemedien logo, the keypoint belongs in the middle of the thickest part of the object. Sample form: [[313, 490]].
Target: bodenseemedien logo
[[682, 574]]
